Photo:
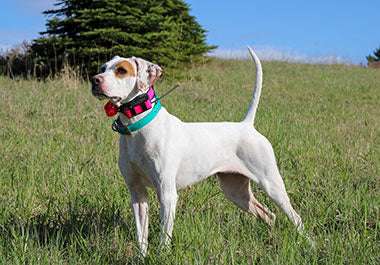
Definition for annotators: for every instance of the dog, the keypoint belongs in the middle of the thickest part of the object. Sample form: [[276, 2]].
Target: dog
[[167, 155]]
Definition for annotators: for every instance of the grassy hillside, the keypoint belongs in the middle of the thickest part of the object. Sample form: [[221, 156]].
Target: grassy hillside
[[63, 200]]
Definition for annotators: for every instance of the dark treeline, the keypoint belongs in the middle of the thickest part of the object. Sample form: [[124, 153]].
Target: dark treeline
[[83, 34]]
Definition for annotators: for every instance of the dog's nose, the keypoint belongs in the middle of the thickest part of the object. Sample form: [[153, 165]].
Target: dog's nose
[[97, 80]]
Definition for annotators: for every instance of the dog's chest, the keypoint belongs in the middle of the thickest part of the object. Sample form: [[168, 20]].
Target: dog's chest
[[141, 153], [137, 149]]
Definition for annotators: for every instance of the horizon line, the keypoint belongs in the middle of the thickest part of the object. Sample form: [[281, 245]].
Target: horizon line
[[268, 53], [280, 54]]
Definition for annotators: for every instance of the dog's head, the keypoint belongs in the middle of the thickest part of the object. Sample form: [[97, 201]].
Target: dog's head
[[123, 78]]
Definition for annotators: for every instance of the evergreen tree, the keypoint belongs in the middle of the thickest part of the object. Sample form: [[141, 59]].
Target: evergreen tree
[[86, 33], [370, 58]]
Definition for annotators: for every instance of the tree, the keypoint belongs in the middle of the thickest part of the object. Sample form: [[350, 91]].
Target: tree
[[374, 61], [86, 33], [16, 61]]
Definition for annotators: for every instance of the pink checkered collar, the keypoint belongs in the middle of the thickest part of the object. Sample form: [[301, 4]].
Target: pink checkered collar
[[139, 104], [134, 107]]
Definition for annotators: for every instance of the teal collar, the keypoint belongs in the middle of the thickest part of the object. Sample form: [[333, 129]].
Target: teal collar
[[118, 126]]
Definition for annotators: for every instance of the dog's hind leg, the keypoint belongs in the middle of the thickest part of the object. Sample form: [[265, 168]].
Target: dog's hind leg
[[274, 187], [260, 161], [237, 189]]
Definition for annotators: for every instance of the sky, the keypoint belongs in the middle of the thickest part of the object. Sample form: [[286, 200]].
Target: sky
[[303, 31]]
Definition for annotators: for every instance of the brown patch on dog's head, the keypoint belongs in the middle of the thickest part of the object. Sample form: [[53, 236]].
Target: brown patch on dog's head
[[123, 69]]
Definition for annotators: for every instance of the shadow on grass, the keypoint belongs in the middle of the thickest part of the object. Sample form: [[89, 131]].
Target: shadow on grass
[[74, 231]]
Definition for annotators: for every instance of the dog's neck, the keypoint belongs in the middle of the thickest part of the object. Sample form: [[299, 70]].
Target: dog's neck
[[128, 121], [134, 109], [134, 93], [130, 127]]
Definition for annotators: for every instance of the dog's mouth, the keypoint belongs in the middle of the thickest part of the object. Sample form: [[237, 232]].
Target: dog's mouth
[[101, 95], [116, 100]]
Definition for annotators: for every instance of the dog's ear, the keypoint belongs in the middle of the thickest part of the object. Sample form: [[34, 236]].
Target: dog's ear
[[147, 73]]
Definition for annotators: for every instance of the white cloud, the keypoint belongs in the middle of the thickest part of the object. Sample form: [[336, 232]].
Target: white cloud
[[279, 54]]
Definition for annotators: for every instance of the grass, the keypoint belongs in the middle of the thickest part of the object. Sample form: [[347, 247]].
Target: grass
[[64, 201]]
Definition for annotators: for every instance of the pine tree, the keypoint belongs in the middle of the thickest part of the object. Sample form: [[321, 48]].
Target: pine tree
[[86, 33], [370, 58]]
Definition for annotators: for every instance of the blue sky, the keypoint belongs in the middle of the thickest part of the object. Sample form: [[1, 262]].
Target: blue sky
[[310, 31]]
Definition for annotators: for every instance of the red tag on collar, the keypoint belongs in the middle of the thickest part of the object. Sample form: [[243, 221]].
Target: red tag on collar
[[110, 109]]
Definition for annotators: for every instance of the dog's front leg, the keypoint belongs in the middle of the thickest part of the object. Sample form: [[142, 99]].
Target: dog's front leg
[[139, 200], [168, 201]]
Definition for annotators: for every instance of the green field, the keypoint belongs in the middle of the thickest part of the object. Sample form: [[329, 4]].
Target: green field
[[64, 201]]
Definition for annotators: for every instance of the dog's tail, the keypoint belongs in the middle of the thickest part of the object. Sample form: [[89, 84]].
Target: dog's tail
[[251, 113]]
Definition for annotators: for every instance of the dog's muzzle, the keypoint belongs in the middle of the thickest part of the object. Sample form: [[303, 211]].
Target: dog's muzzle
[[96, 84]]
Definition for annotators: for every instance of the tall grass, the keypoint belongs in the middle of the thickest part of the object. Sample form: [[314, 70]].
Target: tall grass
[[63, 200]]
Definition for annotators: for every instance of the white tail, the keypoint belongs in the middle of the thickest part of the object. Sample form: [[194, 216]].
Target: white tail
[[251, 113]]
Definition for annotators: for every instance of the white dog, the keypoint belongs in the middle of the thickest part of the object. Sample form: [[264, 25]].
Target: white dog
[[159, 151]]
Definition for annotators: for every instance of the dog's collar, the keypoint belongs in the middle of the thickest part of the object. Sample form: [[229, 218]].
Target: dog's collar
[[139, 104], [118, 126], [132, 108]]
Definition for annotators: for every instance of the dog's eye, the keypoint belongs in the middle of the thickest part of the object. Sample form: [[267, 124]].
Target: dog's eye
[[121, 71], [102, 69]]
